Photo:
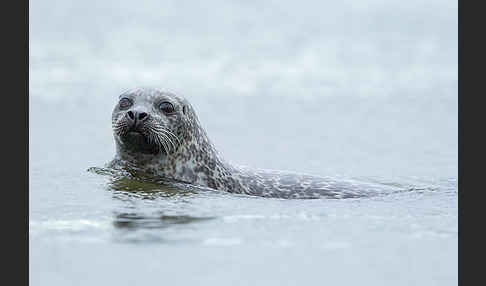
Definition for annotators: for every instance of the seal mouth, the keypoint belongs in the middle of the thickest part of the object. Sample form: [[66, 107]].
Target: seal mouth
[[149, 138], [136, 141], [135, 133]]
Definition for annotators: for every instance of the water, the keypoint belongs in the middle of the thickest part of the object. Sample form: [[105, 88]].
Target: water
[[91, 229], [352, 90]]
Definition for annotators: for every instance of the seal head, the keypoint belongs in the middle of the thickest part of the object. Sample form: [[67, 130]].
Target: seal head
[[149, 124], [159, 132]]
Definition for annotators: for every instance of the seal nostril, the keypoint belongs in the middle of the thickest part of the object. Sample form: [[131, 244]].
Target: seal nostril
[[142, 116], [130, 114]]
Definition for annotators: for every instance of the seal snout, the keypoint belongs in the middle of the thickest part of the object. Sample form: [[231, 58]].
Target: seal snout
[[136, 119]]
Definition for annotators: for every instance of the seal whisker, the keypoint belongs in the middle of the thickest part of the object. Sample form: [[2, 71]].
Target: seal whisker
[[166, 144], [164, 138], [120, 127], [161, 142], [168, 139], [174, 136], [157, 142], [166, 133]]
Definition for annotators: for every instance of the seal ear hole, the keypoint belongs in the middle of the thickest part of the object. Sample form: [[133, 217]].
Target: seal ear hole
[[184, 109]]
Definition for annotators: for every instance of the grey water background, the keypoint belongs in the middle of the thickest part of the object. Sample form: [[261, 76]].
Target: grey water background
[[350, 89]]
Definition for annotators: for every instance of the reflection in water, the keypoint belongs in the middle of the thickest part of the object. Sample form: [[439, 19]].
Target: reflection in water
[[151, 208], [145, 222], [139, 227], [146, 189], [132, 183], [132, 221]]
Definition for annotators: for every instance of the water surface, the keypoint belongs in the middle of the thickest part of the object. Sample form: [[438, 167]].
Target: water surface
[[88, 228]]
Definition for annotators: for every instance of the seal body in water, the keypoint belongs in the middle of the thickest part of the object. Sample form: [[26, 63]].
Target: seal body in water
[[159, 133]]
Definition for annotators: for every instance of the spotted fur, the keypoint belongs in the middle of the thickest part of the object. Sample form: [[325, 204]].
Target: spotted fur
[[189, 156]]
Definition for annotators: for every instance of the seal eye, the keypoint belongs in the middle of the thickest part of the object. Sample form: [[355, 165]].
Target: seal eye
[[125, 103], [166, 107]]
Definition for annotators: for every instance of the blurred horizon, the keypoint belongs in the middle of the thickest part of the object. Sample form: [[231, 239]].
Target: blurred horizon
[[242, 48]]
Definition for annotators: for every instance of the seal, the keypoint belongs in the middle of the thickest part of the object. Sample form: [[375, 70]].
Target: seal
[[159, 133]]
